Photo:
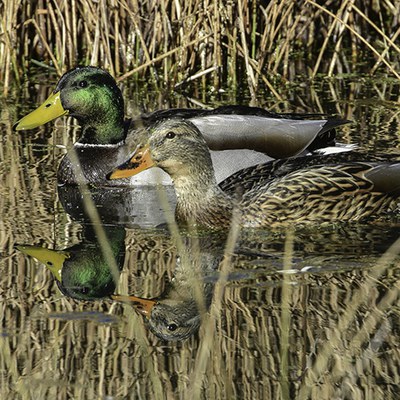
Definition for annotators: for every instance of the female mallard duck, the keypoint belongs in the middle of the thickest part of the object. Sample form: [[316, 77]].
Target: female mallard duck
[[340, 187], [92, 96]]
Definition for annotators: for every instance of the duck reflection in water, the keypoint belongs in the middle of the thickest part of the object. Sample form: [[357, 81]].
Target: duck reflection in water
[[177, 313], [83, 271]]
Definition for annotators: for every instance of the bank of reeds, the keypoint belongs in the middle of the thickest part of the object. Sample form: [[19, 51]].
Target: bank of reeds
[[221, 42]]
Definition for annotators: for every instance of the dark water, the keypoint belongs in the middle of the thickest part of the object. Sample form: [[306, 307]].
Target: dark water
[[304, 314]]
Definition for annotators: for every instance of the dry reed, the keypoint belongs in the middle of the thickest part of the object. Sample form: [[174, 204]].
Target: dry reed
[[221, 43], [272, 336]]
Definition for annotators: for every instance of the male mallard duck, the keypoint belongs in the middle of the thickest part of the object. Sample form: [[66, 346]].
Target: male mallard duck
[[92, 96], [82, 271], [340, 187]]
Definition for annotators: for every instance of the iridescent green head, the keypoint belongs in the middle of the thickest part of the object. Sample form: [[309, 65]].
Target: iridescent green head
[[82, 271], [86, 275], [90, 95]]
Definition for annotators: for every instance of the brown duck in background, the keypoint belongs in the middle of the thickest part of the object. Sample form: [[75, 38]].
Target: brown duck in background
[[339, 187]]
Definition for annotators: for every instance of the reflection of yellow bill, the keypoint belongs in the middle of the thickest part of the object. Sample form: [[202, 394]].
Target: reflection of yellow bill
[[144, 306], [52, 259], [49, 110], [140, 161]]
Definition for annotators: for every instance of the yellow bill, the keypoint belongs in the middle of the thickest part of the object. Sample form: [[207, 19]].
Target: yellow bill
[[144, 306], [49, 110], [140, 161], [52, 259]]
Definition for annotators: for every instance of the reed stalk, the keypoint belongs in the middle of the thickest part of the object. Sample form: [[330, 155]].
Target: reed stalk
[[169, 41]]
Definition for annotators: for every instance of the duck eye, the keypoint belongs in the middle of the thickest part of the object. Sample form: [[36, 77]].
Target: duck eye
[[83, 84], [84, 290], [172, 327], [170, 135]]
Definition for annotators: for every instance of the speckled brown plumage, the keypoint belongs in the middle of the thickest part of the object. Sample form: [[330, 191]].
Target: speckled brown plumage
[[342, 187]]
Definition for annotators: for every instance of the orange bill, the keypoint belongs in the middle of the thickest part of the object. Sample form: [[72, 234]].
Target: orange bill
[[139, 162], [144, 306]]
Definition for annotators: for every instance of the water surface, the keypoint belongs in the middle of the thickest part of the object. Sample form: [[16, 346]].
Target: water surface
[[310, 313]]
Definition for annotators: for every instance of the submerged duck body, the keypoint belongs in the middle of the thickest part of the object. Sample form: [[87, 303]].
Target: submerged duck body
[[92, 96], [340, 187]]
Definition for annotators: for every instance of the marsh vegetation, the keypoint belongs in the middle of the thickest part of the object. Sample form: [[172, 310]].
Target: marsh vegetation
[[297, 314]]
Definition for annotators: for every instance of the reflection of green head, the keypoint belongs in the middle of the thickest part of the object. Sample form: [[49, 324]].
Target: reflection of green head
[[90, 95], [81, 271]]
